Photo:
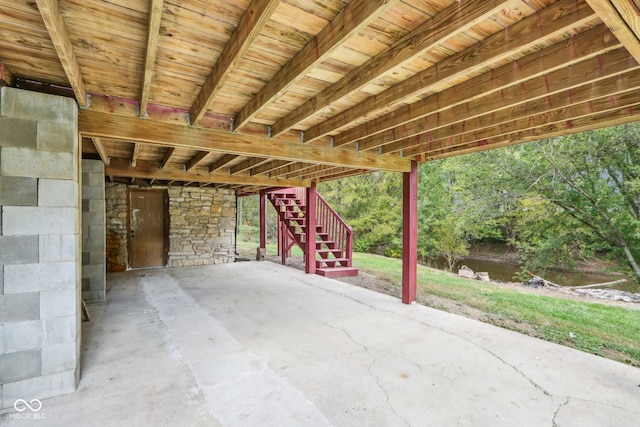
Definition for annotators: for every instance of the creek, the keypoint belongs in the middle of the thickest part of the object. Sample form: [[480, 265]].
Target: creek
[[507, 272]]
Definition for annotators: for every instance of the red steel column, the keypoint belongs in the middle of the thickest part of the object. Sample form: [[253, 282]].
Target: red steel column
[[263, 220], [410, 234], [310, 242]]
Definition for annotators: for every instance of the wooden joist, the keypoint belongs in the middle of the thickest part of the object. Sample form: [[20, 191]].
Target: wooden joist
[[539, 74], [558, 18], [249, 27], [60, 38], [623, 18], [449, 22], [197, 159], [221, 162], [97, 142], [150, 170], [153, 33], [353, 18]]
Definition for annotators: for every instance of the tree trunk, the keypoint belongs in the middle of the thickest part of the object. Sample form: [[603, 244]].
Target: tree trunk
[[632, 260]]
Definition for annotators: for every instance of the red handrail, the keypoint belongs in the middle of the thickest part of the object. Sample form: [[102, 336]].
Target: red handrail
[[338, 230]]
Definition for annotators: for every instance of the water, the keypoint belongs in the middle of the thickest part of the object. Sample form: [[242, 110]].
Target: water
[[507, 273]]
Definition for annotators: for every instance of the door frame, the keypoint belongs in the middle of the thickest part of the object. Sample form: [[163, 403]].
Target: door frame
[[165, 207]]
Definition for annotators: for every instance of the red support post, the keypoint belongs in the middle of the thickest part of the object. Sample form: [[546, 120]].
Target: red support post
[[263, 222], [310, 235], [410, 234]]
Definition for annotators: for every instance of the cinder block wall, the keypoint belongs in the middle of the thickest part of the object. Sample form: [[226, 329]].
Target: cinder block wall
[[39, 246], [93, 231], [201, 230]]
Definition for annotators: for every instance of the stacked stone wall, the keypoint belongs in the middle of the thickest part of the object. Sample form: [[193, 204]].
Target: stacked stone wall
[[202, 225]]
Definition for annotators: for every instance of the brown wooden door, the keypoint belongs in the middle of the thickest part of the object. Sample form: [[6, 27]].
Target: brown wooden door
[[147, 228]]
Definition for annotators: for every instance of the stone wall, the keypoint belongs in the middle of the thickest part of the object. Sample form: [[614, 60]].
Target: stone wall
[[117, 256], [39, 246], [201, 226], [93, 231]]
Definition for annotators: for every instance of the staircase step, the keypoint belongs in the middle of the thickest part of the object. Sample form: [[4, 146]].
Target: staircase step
[[325, 252], [337, 272], [331, 262]]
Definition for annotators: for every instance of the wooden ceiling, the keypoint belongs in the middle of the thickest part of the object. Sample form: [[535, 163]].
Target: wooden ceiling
[[264, 93]]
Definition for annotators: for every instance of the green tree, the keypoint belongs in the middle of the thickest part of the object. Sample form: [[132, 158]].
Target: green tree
[[594, 180]]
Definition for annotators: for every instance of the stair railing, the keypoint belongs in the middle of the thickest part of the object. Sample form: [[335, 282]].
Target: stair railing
[[338, 230]]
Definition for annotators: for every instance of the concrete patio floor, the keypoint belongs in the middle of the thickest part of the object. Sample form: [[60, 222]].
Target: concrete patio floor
[[259, 344]]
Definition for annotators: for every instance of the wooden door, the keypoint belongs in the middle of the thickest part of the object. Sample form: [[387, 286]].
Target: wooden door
[[147, 228]]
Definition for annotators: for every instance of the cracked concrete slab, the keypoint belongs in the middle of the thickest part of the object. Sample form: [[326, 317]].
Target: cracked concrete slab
[[261, 344]]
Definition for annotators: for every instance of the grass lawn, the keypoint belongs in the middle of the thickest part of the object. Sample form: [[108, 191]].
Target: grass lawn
[[601, 329]]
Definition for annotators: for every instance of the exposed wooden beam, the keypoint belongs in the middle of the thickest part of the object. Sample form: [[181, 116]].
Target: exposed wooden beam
[[153, 34], [91, 124], [626, 27], [558, 18], [100, 149], [6, 76], [221, 162], [195, 160], [326, 172], [52, 18], [254, 19], [352, 172], [246, 165], [283, 170], [268, 167], [544, 100], [167, 157], [543, 73], [546, 125], [353, 18], [618, 117], [452, 20], [134, 156], [408, 121], [151, 170]]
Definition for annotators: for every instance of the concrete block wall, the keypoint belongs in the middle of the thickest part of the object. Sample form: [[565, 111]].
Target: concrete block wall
[[39, 246], [201, 226], [94, 277]]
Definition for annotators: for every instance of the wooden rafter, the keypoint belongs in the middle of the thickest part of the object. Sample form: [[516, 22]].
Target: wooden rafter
[[449, 22], [62, 43], [246, 165], [281, 171], [350, 20], [221, 162], [151, 170], [255, 18], [92, 124], [501, 87], [268, 167], [6, 76], [552, 97], [97, 142], [153, 34], [197, 159], [562, 118], [136, 153], [623, 21], [167, 157], [559, 18], [617, 117]]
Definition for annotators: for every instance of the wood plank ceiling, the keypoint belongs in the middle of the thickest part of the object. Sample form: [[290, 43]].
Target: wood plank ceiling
[[265, 93]]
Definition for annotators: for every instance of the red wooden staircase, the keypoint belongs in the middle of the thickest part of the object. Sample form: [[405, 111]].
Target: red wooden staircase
[[334, 238]]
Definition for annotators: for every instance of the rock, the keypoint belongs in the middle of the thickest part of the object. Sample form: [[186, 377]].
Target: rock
[[536, 282], [465, 271], [482, 276]]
